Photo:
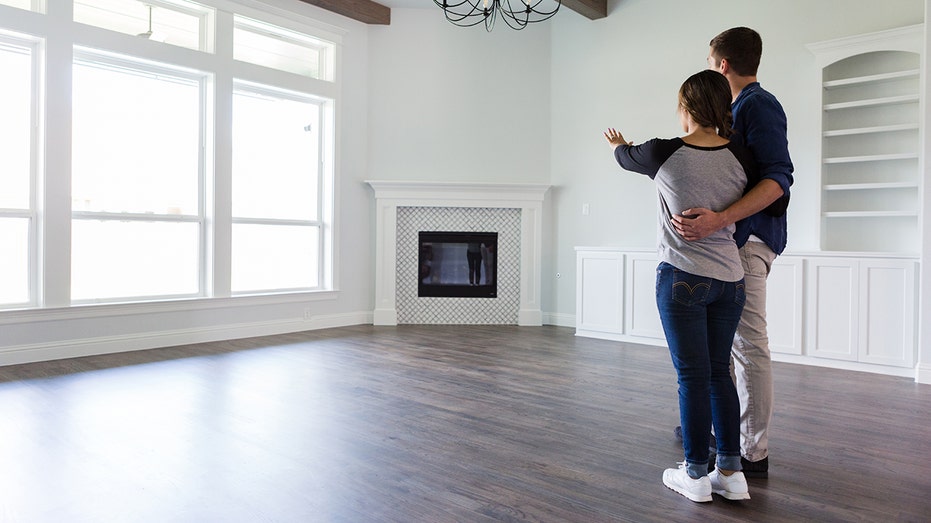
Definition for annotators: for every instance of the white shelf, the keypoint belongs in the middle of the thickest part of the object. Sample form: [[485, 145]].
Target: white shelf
[[872, 130], [871, 158], [870, 214], [873, 78], [871, 93], [873, 102], [870, 186]]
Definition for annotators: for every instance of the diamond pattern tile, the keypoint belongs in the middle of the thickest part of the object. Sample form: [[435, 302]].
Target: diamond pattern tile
[[502, 310]]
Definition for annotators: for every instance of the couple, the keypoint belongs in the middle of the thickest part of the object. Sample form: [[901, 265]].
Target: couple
[[722, 216]]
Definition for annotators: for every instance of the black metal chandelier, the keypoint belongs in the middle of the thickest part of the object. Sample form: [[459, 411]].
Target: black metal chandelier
[[466, 13]]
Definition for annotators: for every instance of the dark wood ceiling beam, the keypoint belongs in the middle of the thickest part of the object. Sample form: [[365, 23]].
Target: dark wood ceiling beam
[[362, 10], [592, 9]]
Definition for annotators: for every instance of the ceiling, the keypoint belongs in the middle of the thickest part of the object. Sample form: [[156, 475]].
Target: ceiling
[[379, 11], [407, 4]]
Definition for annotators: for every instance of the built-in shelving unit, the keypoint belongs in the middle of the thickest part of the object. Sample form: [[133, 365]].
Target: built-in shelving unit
[[870, 147]]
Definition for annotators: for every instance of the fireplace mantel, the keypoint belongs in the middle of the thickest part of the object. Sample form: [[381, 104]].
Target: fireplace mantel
[[389, 195]]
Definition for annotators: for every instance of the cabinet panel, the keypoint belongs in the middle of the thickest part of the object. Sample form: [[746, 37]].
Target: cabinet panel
[[832, 300], [600, 291], [887, 313], [642, 317], [784, 298]]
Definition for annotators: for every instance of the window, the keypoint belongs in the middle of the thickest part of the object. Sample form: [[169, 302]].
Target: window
[[136, 171], [135, 181], [17, 104], [278, 48], [176, 22], [22, 4], [276, 190]]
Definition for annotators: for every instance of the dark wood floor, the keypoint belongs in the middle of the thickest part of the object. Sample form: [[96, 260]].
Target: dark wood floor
[[431, 424]]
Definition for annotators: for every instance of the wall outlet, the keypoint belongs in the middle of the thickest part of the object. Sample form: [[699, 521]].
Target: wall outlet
[[307, 314]]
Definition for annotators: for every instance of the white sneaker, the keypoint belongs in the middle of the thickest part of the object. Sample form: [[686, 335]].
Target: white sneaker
[[695, 489], [731, 487]]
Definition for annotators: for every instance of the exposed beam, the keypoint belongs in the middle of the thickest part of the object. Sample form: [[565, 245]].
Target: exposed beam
[[592, 9], [361, 10]]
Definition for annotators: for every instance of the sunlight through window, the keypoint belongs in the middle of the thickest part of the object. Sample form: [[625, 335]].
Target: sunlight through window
[[16, 149], [136, 168]]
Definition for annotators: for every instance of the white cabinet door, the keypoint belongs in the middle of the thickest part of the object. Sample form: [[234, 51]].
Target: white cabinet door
[[784, 299], [887, 312], [599, 298], [833, 302], [642, 316], [863, 310]]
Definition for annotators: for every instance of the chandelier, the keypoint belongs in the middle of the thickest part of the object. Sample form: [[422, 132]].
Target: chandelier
[[466, 13]]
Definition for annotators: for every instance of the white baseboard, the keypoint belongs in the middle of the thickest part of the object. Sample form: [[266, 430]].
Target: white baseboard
[[559, 319], [923, 373], [902, 372], [76, 348]]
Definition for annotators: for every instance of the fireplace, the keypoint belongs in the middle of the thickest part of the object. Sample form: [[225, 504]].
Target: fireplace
[[453, 264], [403, 209]]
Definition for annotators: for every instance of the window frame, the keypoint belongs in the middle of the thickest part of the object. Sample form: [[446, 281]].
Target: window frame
[[58, 38], [34, 47], [319, 222], [95, 58]]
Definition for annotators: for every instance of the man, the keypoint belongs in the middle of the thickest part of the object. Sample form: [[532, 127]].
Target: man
[[760, 123]]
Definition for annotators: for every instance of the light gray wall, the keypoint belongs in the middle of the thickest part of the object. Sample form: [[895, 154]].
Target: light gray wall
[[449, 103], [624, 71], [458, 104], [30, 335], [423, 100]]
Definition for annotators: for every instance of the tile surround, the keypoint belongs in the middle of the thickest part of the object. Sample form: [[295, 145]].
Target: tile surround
[[519, 207], [483, 311]]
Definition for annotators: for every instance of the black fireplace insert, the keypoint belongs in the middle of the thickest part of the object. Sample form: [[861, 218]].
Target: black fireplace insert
[[458, 264]]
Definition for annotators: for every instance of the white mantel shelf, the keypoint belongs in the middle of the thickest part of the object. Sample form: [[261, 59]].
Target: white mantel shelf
[[389, 195], [434, 194]]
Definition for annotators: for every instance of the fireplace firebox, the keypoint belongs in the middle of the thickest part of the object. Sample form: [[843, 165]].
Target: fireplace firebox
[[457, 264]]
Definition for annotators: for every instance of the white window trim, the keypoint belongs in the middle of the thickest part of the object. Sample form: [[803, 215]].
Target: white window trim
[[57, 37]]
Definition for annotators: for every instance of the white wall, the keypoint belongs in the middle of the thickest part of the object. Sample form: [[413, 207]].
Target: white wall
[[624, 71], [621, 71], [458, 104], [423, 100], [31, 335]]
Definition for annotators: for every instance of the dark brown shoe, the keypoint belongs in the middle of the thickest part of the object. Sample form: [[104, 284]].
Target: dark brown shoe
[[755, 469]]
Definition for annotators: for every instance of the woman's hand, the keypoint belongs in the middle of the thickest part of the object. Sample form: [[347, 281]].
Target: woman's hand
[[615, 138]]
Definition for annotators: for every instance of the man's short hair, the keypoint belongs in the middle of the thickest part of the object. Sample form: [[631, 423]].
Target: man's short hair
[[742, 47]]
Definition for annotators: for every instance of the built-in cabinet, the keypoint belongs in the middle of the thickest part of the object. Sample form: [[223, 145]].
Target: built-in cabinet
[[863, 310], [825, 309], [853, 304], [871, 90], [615, 297]]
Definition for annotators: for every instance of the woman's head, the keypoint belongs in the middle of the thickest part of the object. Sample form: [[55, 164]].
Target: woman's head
[[706, 98]]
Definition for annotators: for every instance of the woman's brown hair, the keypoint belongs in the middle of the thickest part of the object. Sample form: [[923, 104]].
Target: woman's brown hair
[[706, 97]]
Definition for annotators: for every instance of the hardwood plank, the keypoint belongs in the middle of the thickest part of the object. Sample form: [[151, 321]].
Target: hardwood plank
[[365, 11], [432, 424]]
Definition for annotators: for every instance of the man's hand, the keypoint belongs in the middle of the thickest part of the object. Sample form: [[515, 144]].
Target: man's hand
[[698, 223], [695, 224]]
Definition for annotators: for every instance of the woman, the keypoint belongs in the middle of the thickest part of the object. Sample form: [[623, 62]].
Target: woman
[[699, 284]]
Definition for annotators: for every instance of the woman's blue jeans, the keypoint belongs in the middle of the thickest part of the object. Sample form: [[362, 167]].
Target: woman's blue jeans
[[700, 316]]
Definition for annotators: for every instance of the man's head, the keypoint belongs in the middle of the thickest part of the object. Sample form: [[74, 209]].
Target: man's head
[[737, 51]]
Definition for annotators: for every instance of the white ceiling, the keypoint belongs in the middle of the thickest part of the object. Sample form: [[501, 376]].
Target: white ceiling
[[404, 4]]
